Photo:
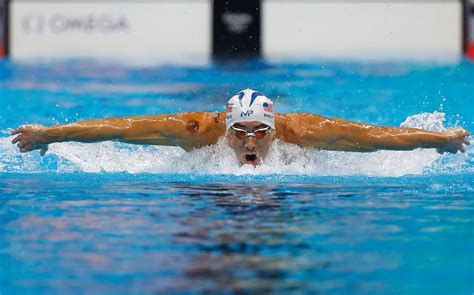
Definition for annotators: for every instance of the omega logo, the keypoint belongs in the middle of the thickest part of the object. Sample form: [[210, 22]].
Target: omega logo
[[90, 23], [33, 24]]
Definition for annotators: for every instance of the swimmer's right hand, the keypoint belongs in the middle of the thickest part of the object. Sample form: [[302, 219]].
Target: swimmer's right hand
[[30, 138], [455, 139]]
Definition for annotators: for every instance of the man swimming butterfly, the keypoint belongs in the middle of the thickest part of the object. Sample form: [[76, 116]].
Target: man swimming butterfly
[[249, 126]]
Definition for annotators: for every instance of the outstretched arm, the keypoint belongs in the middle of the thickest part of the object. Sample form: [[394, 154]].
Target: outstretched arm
[[187, 130], [309, 130]]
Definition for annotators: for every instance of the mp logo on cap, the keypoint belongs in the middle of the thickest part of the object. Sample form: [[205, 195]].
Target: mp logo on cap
[[246, 114]]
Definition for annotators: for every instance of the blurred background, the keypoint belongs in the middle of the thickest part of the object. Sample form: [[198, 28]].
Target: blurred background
[[197, 30]]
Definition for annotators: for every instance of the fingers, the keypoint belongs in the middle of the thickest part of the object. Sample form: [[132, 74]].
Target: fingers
[[24, 148], [464, 132], [451, 149], [17, 139], [17, 131], [27, 148], [26, 140], [25, 128], [458, 131], [43, 151]]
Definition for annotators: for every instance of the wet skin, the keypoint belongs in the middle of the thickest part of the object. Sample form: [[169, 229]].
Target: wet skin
[[250, 150], [197, 129]]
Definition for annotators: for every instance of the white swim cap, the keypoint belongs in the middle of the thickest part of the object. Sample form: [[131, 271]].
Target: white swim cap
[[249, 105]]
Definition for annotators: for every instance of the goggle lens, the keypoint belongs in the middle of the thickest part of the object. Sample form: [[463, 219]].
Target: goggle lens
[[259, 134], [242, 133]]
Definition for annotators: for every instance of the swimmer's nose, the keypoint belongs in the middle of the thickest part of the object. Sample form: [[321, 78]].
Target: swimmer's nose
[[250, 143]]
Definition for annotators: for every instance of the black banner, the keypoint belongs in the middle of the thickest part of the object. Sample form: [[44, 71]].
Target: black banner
[[3, 27], [236, 29]]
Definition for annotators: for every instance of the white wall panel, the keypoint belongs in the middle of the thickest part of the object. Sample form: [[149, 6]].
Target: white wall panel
[[361, 28], [111, 29]]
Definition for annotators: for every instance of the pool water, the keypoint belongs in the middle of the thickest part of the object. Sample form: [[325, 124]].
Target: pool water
[[116, 218]]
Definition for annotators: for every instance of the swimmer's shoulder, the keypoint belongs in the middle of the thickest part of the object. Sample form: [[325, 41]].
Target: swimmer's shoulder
[[202, 122], [202, 128], [287, 125]]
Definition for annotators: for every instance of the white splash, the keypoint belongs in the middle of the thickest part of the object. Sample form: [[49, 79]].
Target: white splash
[[428, 121], [284, 158]]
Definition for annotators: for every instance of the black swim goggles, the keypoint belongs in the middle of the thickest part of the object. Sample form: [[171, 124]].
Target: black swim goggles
[[258, 133]]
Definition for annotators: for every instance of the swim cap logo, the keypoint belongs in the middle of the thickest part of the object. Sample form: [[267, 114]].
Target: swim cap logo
[[246, 114]]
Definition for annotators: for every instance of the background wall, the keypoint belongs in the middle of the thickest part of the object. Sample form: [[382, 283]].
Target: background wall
[[362, 28], [188, 30], [107, 29]]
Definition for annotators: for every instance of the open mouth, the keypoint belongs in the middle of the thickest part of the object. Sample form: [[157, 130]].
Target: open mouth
[[251, 158]]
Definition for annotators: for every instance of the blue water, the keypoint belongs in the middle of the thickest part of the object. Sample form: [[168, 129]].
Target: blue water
[[114, 218]]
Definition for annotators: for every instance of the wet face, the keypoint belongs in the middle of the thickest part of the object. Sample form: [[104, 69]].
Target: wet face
[[250, 149]]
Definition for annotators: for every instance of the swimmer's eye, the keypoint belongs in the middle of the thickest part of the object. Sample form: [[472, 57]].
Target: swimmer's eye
[[242, 133], [259, 134]]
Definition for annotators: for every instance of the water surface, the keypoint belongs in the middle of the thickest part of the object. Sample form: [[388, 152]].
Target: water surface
[[115, 218]]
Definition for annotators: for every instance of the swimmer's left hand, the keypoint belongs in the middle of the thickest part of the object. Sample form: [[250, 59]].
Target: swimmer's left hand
[[456, 138], [31, 137]]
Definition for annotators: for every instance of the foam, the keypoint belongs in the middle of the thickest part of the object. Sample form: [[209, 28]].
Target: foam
[[284, 158]]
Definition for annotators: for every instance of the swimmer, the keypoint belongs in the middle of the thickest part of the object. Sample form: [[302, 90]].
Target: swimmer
[[249, 126]]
